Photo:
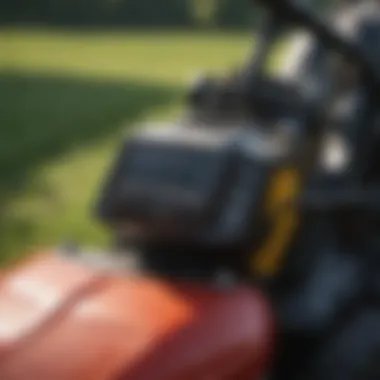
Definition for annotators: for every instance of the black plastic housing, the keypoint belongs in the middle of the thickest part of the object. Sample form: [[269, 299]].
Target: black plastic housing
[[187, 186]]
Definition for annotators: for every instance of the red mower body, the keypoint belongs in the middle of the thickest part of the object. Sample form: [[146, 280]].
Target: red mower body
[[62, 320]]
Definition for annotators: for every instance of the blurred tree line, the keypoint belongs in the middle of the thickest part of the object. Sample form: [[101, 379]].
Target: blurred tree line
[[129, 13]]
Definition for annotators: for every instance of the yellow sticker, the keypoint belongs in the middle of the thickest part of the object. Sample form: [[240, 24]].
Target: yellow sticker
[[283, 216]]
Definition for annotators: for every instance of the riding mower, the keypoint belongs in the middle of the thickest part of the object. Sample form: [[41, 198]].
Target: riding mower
[[246, 234]]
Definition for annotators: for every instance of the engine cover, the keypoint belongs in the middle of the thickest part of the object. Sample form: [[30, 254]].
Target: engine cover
[[63, 320]]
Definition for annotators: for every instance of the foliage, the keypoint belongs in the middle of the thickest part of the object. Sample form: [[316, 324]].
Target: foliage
[[130, 13], [204, 11], [235, 14]]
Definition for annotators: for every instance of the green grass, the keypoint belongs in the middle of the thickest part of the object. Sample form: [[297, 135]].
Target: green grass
[[65, 101], [150, 57], [57, 137]]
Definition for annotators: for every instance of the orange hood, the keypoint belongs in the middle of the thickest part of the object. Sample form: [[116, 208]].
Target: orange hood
[[62, 320]]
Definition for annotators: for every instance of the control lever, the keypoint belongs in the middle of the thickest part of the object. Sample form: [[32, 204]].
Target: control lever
[[269, 30], [299, 14]]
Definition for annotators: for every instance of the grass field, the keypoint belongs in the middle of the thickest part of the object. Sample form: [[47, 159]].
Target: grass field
[[148, 57], [66, 99]]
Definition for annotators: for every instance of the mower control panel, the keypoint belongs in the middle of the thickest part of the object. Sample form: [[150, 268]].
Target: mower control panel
[[189, 185]]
